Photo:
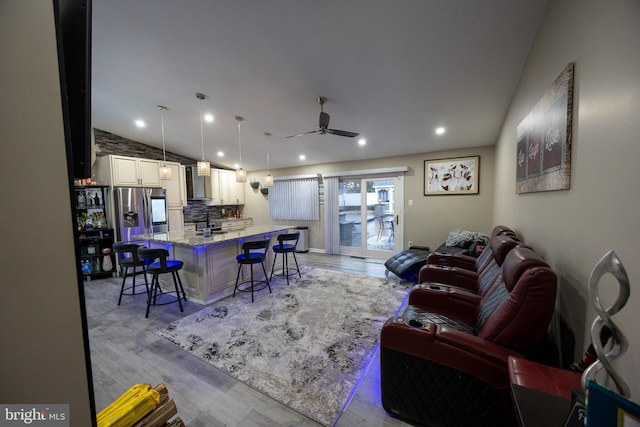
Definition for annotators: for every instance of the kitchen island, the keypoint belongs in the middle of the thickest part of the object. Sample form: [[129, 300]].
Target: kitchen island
[[210, 266]]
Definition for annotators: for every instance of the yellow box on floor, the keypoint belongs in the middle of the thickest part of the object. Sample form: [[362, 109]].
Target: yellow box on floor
[[130, 407]]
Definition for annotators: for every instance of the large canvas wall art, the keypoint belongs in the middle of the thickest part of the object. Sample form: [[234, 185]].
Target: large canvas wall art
[[457, 175], [543, 154]]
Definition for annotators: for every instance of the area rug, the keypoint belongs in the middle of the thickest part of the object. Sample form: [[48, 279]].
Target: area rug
[[305, 345]]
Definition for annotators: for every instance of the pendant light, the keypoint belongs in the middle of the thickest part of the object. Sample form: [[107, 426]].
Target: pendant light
[[241, 175], [203, 167], [165, 171], [268, 180]]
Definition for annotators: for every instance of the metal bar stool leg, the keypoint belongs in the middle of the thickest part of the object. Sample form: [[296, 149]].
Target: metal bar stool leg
[[297, 266], [285, 265], [275, 257], [146, 281], [124, 278], [237, 279], [153, 294], [251, 265], [265, 276], [184, 294], [175, 285]]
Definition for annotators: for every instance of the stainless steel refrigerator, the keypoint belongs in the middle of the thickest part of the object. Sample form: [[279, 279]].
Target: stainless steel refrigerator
[[139, 211]]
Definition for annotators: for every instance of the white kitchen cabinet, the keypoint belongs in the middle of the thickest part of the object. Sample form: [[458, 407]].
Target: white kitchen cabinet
[[176, 219], [232, 191], [216, 196], [124, 171], [224, 188], [176, 186]]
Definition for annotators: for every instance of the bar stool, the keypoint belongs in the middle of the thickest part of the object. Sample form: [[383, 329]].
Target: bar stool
[[286, 245], [128, 257], [162, 266], [252, 253]]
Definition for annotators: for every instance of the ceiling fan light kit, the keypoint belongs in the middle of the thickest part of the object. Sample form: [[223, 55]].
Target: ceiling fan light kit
[[323, 124]]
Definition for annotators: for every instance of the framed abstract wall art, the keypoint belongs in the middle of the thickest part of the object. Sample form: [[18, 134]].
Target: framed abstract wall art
[[458, 175], [543, 153]]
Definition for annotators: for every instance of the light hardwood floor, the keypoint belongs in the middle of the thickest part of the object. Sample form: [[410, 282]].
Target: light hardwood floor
[[125, 351]]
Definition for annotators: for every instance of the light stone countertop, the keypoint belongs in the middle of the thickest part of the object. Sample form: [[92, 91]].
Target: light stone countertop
[[191, 238]]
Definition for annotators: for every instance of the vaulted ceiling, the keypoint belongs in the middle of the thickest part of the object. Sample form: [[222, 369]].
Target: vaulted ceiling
[[393, 71]]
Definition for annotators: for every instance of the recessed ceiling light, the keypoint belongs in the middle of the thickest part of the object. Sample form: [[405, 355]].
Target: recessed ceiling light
[[236, 166], [220, 154], [303, 157], [140, 123], [441, 130], [208, 117], [362, 141]]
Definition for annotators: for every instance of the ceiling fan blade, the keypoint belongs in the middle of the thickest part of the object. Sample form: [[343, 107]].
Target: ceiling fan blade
[[342, 133], [301, 134]]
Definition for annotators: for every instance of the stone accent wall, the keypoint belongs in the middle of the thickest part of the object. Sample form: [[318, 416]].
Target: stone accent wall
[[108, 143]]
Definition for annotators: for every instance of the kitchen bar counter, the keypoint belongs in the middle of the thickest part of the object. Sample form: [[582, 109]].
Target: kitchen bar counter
[[210, 266], [195, 238]]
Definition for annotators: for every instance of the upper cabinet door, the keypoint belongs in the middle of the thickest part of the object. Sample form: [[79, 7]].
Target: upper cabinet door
[[183, 185], [225, 189], [122, 171], [176, 186], [149, 173], [216, 194], [125, 171]]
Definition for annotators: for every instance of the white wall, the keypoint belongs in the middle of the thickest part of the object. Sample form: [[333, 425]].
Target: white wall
[[42, 358], [426, 222], [573, 229]]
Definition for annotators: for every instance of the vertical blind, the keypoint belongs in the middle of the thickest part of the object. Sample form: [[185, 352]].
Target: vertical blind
[[331, 216], [294, 199]]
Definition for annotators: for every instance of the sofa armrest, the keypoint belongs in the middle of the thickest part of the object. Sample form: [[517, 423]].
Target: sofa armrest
[[547, 379], [452, 260], [452, 276], [446, 300], [449, 347]]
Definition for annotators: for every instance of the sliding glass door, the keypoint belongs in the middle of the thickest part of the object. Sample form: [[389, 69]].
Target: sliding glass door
[[370, 213]]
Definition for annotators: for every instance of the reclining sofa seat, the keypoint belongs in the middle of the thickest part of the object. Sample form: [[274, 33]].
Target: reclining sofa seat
[[452, 370], [439, 275], [466, 261]]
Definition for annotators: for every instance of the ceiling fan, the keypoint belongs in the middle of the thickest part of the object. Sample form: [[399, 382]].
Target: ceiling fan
[[323, 124]]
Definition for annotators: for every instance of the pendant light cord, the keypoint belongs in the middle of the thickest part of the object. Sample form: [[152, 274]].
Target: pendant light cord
[[239, 119], [164, 152], [201, 128], [239, 145]]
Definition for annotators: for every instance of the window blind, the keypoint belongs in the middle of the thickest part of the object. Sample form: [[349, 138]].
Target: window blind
[[294, 199], [331, 216]]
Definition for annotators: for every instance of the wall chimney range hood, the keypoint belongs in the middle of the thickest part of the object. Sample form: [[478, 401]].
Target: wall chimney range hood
[[198, 187]]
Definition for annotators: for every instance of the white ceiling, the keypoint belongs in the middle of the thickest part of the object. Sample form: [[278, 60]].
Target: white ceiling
[[392, 70]]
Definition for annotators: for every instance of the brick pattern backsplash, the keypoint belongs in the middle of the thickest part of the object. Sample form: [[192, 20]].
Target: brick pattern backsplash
[[108, 143]]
